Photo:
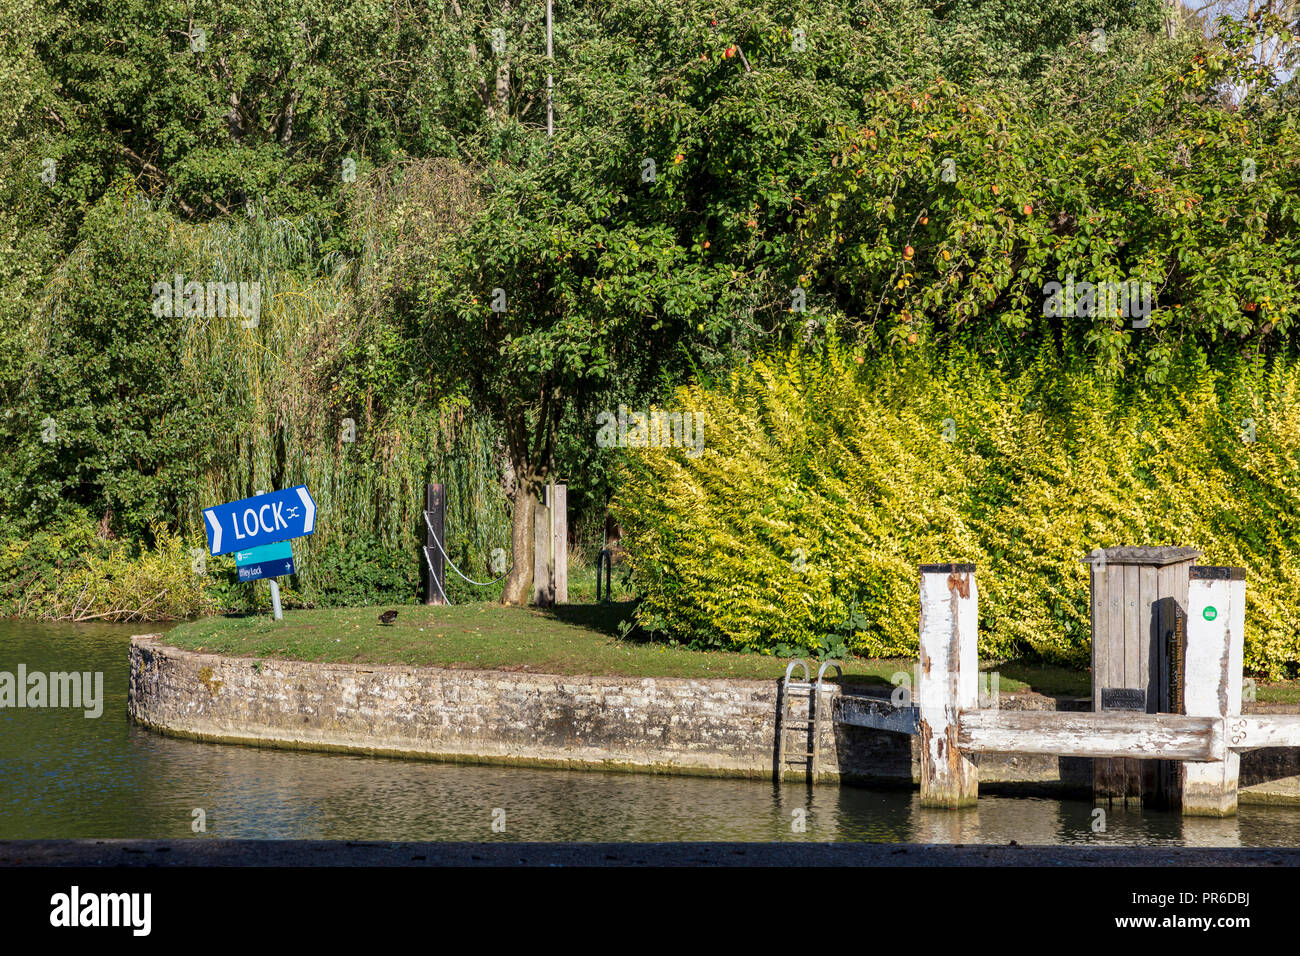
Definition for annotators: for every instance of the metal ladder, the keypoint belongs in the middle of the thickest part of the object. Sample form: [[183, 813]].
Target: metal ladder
[[810, 725]]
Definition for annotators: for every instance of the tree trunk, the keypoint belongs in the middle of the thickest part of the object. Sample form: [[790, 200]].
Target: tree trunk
[[519, 582]]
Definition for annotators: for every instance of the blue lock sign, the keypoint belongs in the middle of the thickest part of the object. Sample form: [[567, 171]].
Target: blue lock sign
[[264, 519]]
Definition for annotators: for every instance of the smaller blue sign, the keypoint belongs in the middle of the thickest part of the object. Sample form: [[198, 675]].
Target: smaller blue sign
[[267, 569], [278, 551]]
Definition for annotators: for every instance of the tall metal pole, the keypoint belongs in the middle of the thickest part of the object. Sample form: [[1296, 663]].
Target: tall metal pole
[[550, 111], [275, 601]]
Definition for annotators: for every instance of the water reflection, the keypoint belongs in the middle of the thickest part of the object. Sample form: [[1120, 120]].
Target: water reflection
[[62, 775]]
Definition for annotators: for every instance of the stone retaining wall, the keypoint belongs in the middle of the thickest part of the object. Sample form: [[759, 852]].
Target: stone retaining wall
[[715, 727]]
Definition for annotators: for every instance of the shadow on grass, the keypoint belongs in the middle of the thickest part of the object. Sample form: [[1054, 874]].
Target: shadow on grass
[[602, 618], [1047, 679]]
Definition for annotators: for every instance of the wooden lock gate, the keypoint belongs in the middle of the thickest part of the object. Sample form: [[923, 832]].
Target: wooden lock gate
[[1201, 729]]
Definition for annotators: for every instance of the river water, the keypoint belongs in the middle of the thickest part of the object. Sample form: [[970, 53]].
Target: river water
[[65, 775]]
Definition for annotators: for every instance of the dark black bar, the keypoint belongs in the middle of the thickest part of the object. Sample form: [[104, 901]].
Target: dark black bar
[[1202, 572]]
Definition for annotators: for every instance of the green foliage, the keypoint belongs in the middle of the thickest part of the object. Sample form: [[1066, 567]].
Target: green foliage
[[363, 571], [946, 215], [105, 422], [223, 106], [69, 572], [787, 152], [997, 41], [824, 484], [155, 418], [319, 394]]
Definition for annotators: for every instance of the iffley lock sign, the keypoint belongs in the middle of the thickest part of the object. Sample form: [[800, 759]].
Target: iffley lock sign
[[252, 527], [267, 561]]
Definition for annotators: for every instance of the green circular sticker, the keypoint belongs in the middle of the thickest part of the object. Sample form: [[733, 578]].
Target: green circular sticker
[[1210, 614]]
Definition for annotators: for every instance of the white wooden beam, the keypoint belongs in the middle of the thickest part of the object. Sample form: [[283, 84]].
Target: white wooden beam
[[947, 682], [1212, 661], [1272, 730], [1085, 734]]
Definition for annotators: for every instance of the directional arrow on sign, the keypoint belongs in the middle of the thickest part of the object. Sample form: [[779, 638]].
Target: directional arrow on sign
[[262, 519]]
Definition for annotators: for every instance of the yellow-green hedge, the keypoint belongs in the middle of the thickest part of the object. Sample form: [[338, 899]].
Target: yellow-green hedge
[[70, 573], [823, 485]]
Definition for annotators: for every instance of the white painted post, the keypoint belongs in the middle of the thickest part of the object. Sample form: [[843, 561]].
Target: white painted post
[[947, 682], [1216, 620]]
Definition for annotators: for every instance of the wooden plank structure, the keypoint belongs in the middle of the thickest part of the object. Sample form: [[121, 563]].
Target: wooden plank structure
[[551, 547], [1104, 735], [1202, 681], [1138, 595]]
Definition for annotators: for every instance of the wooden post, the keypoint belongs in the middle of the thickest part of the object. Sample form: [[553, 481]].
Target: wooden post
[[435, 570], [1169, 620], [1212, 661], [560, 542], [947, 682], [543, 566]]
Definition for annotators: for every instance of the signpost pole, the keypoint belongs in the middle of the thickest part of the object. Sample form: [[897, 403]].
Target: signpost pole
[[275, 600]]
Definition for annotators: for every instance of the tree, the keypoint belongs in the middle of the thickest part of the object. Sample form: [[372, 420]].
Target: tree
[[947, 216], [107, 423], [651, 237]]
